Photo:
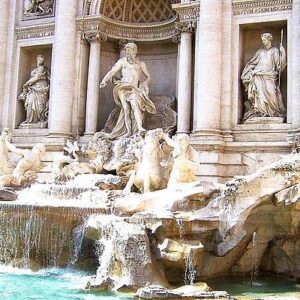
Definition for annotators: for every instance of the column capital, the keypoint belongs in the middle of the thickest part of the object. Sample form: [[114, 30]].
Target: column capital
[[188, 27], [187, 11], [93, 37]]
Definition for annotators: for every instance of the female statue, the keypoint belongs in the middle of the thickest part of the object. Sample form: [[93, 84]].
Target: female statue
[[36, 94], [260, 77]]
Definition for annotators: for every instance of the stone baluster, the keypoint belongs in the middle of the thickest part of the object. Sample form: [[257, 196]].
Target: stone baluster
[[210, 73], [185, 77], [93, 92], [63, 69]]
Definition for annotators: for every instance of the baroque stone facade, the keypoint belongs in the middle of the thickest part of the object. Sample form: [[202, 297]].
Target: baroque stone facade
[[81, 40]]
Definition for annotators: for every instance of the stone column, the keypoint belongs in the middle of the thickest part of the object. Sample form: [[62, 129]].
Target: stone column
[[197, 70], [93, 92], [296, 65], [185, 77], [63, 69], [210, 73], [3, 44], [226, 109]]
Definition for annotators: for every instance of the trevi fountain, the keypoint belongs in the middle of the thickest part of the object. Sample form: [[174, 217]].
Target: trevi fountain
[[149, 149]]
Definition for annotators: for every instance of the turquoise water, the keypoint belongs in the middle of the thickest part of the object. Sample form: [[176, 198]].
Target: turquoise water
[[50, 284], [269, 287], [62, 284]]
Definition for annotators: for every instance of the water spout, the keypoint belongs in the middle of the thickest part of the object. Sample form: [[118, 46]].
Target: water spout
[[189, 271], [254, 259]]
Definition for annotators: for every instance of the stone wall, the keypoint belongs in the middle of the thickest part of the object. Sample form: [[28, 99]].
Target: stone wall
[[209, 91]]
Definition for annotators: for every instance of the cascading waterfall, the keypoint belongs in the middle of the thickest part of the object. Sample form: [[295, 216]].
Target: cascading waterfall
[[189, 272], [254, 259], [77, 239], [38, 237], [189, 269], [179, 223], [105, 245]]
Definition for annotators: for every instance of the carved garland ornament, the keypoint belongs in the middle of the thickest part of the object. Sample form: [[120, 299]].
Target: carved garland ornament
[[260, 6]]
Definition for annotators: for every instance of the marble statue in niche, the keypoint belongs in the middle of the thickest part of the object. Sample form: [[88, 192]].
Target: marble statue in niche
[[131, 93], [36, 96], [38, 7], [261, 78]]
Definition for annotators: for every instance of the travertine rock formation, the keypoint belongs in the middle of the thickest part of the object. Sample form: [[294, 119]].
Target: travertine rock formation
[[186, 235], [218, 224]]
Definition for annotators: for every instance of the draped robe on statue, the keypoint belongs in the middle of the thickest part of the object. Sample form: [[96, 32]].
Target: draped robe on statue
[[260, 79], [36, 96], [130, 93]]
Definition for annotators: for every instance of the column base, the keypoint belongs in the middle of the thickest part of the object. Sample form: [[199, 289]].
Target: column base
[[183, 131], [58, 138], [207, 135]]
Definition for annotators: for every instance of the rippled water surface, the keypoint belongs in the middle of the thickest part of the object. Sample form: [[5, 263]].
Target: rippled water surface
[[264, 287], [62, 284], [49, 284]]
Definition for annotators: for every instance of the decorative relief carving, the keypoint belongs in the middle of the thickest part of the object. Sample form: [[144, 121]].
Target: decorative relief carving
[[93, 36], [176, 38], [36, 31], [119, 29], [137, 11], [160, 31], [33, 9], [260, 6], [185, 26], [187, 12]]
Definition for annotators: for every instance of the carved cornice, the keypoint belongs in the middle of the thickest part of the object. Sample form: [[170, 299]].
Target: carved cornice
[[187, 11], [260, 6], [129, 31], [94, 37], [37, 31]]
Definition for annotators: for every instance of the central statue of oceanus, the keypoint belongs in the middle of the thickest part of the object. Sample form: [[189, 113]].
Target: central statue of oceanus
[[131, 93]]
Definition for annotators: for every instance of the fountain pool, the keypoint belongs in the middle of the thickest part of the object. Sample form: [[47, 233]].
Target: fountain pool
[[50, 284], [64, 284], [264, 287]]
